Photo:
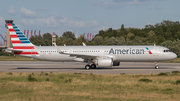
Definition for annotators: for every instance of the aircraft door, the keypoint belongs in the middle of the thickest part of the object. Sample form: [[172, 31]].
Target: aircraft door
[[70, 51], [155, 53], [102, 52]]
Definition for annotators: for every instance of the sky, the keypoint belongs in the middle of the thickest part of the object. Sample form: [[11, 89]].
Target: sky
[[85, 16]]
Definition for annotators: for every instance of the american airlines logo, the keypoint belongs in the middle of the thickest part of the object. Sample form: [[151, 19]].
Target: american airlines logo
[[148, 50], [128, 51]]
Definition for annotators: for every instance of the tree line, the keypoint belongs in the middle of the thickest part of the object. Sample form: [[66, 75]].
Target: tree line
[[166, 33]]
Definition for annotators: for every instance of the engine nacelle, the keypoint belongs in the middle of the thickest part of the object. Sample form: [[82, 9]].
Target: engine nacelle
[[116, 63], [105, 62]]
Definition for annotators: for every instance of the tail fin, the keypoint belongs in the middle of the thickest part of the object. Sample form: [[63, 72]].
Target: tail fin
[[18, 39], [21, 45]]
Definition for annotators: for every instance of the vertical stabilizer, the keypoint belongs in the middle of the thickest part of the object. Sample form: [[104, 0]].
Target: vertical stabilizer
[[19, 40]]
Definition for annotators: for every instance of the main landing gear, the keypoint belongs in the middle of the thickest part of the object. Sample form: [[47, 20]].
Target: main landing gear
[[156, 65], [92, 66]]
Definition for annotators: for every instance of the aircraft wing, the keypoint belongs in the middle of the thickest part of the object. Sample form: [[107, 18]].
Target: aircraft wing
[[83, 56]]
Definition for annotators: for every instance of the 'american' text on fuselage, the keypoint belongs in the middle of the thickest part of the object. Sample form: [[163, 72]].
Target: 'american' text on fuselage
[[126, 51]]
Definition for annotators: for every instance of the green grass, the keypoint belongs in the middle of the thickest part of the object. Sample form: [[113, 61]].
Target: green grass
[[89, 87]]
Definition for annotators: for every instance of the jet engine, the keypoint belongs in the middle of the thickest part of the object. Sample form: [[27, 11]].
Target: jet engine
[[116, 63], [104, 62]]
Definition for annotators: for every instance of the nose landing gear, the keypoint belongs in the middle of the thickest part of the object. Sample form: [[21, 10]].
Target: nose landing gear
[[156, 65]]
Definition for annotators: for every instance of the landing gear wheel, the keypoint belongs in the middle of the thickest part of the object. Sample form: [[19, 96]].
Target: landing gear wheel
[[93, 66], [87, 67], [156, 67]]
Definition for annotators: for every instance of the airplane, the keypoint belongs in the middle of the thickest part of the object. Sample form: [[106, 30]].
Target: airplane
[[101, 56]]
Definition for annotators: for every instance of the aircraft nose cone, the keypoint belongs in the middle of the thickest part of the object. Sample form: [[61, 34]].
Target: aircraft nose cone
[[173, 56]]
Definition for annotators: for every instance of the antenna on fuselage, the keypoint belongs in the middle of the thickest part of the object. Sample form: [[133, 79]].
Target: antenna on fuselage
[[83, 44]]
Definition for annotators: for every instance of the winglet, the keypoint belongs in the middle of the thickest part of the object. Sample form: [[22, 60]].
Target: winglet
[[58, 49]]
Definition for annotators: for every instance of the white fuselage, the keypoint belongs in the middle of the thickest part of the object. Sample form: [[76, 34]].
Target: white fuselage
[[117, 53]]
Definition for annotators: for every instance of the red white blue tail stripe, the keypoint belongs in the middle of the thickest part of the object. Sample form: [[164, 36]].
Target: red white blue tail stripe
[[19, 41]]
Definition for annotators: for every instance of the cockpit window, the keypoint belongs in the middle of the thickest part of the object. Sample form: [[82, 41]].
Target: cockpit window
[[167, 50]]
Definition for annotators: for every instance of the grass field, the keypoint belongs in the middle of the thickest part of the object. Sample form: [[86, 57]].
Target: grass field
[[89, 87]]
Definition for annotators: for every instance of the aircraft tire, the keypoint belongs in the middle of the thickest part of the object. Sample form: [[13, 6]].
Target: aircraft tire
[[87, 67], [93, 66], [156, 67]]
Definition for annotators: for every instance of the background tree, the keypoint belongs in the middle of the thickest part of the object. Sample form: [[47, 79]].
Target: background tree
[[130, 35], [59, 41], [39, 40], [114, 41], [47, 38], [79, 40], [98, 40], [177, 35], [32, 40], [68, 36]]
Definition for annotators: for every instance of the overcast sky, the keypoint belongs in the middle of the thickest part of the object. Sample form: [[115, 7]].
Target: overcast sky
[[86, 16]]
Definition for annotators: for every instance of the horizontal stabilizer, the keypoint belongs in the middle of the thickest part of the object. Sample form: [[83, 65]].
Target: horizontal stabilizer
[[13, 50]]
